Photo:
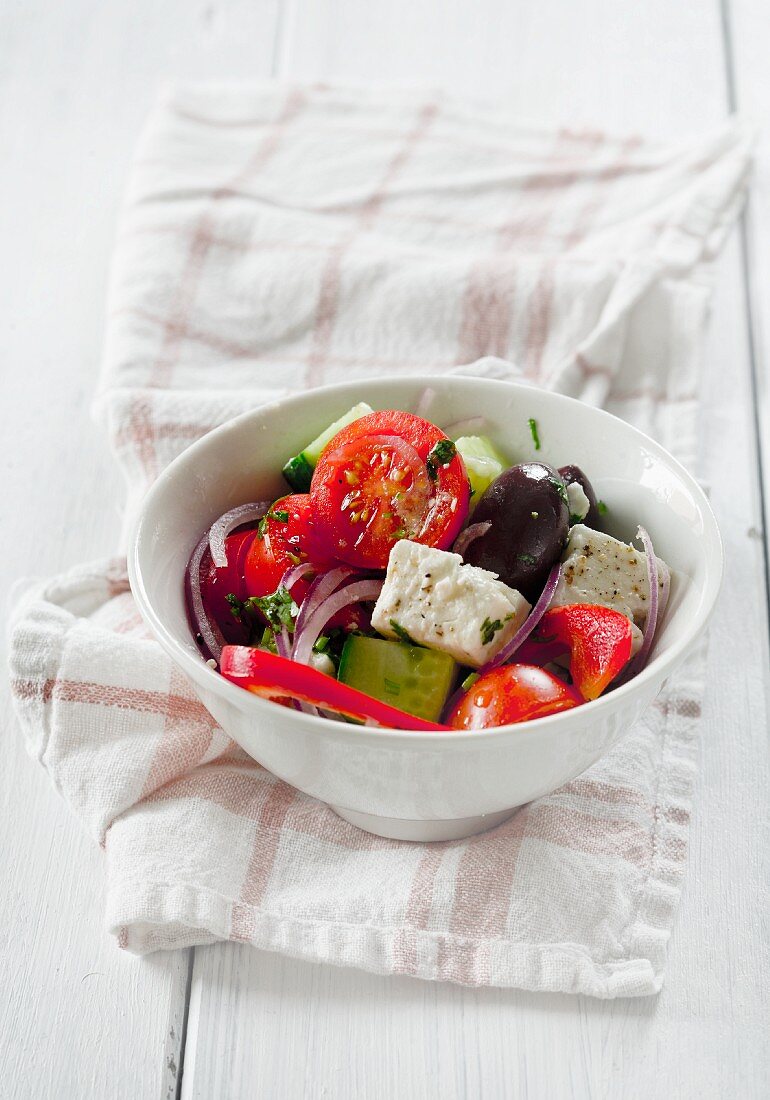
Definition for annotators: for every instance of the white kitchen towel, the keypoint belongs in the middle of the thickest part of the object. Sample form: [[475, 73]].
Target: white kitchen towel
[[275, 238]]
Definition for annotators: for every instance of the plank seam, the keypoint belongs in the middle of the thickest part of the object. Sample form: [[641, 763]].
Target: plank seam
[[279, 43], [750, 313]]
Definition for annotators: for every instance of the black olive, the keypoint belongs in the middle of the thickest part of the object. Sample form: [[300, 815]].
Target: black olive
[[573, 475], [527, 507]]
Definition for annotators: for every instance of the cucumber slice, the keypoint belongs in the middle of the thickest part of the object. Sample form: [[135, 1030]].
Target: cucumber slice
[[413, 679], [298, 471], [482, 461]]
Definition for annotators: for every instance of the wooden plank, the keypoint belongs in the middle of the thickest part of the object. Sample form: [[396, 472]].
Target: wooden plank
[[263, 1024], [748, 39], [79, 1017], [625, 67]]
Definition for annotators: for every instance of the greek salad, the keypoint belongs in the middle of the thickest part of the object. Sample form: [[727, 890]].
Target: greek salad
[[415, 579]]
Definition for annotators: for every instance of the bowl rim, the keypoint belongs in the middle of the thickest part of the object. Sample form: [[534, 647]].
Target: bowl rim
[[200, 672]]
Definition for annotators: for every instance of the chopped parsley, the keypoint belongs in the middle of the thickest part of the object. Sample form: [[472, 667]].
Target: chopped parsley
[[526, 559], [278, 608], [400, 633], [279, 514], [441, 455], [601, 508], [331, 644], [561, 488], [490, 627], [400, 532], [534, 433], [469, 681], [236, 606]]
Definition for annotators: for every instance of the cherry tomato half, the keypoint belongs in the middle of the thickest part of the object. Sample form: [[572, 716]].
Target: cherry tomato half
[[383, 478], [512, 693], [289, 537], [286, 537]]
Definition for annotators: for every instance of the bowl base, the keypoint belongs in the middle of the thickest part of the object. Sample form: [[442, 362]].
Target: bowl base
[[402, 828]]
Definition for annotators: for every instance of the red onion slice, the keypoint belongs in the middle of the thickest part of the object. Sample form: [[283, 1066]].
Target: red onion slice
[[528, 625], [321, 588], [296, 572], [236, 517], [462, 427], [211, 636], [658, 602], [652, 614], [469, 535], [306, 637], [282, 642], [283, 649]]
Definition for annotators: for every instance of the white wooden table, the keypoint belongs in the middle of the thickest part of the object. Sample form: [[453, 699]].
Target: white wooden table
[[79, 1018]]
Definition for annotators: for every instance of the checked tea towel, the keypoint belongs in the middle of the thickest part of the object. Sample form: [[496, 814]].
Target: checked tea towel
[[275, 238]]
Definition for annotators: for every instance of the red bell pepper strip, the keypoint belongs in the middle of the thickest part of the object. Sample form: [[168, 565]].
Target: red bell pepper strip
[[599, 640], [273, 677]]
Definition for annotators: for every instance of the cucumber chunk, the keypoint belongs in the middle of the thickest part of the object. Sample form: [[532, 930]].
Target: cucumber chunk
[[298, 471], [415, 680], [482, 461]]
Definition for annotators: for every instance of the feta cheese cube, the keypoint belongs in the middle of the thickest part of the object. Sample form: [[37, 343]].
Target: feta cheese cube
[[439, 602], [599, 569], [578, 503], [322, 662]]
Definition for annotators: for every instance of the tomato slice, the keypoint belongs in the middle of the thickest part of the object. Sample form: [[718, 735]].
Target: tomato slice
[[512, 693], [599, 640], [383, 478], [218, 583]]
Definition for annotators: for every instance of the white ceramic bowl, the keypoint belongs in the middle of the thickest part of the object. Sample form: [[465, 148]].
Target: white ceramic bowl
[[436, 786]]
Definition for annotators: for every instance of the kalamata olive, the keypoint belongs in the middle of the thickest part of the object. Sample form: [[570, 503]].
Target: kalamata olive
[[573, 474], [527, 508]]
